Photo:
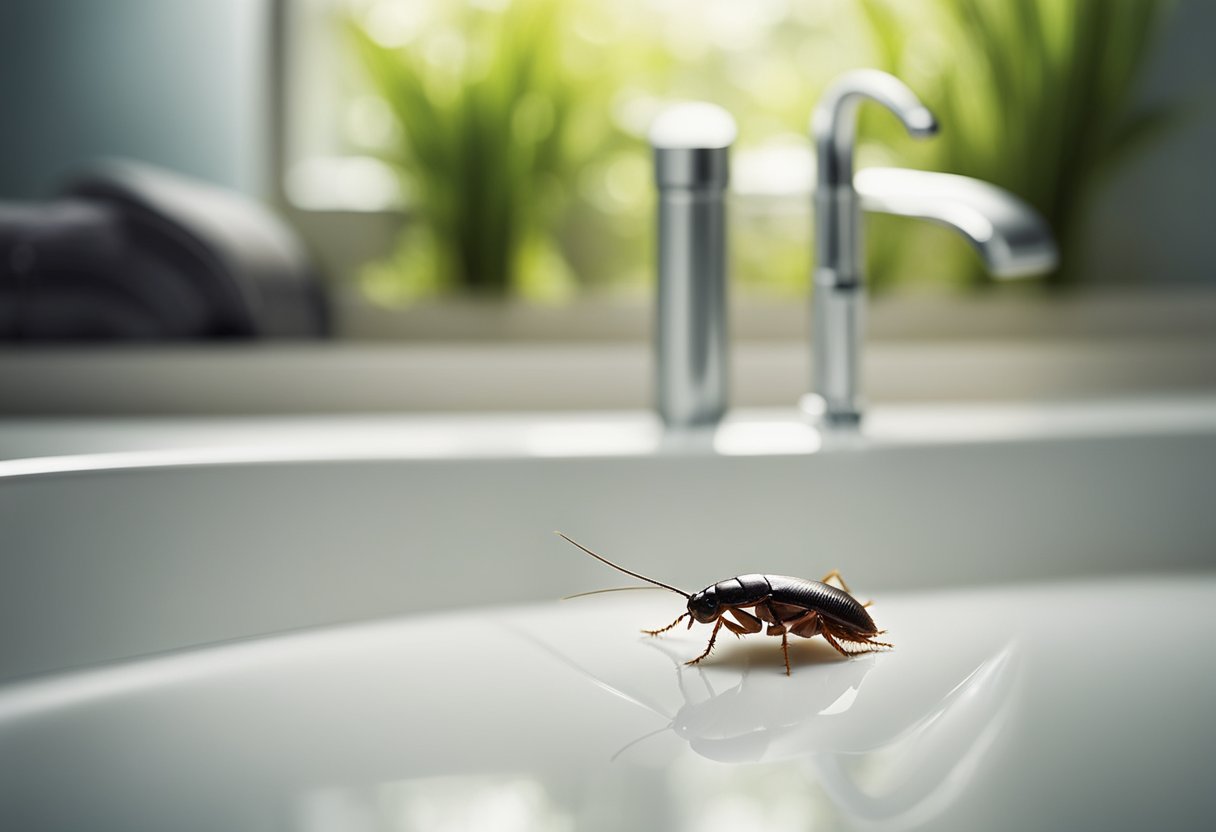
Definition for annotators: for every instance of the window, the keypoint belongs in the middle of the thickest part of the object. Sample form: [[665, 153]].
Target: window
[[496, 147]]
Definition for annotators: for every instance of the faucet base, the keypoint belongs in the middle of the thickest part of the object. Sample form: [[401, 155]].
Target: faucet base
[[815, 407]]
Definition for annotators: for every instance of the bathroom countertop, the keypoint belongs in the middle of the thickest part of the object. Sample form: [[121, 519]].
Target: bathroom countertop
[[275, 378]]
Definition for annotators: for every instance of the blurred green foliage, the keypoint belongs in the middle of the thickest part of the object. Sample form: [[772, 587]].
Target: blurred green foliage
[[521, 126], [1037, 96], [487, 110]]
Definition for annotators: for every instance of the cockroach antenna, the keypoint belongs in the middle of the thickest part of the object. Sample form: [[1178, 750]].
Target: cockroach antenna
[[620, 568], [613, 589]]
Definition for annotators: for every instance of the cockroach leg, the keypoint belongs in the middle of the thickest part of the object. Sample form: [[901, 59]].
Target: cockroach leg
[[668, 627], [767, 613], [785, 651], [868, 644], [832, 641], [808, 626], [787, 612], [749, 622], [709, 647], [737, 629], [834, 578]]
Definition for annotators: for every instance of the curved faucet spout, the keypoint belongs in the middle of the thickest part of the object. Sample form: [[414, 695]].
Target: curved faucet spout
[[838, 284], [1013, 240], [1010, 236], [834, 126], [834, 122]]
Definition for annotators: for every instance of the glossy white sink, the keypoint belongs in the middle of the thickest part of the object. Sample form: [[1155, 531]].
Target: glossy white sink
[[323, 624], [1050, 707]]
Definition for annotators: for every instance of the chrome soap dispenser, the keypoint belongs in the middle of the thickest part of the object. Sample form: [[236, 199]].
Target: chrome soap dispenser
[[691, 144]]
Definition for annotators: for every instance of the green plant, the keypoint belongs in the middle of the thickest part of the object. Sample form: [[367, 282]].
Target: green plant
[[487, 106], [1037, 96]]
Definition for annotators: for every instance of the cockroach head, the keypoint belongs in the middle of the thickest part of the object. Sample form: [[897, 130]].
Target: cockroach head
[[705, 606]]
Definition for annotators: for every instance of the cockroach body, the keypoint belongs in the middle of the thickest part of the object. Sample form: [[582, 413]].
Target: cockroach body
[[786, 605]]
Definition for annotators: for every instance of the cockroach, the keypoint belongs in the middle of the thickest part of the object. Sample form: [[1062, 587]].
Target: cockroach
[[786, 605]]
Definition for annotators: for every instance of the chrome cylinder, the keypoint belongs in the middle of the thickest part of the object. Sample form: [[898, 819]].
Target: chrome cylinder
[[691, 145]]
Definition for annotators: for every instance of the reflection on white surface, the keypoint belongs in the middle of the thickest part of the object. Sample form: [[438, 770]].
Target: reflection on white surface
[[904, 780], [842, 704], [485, 803], [336, 809], [980, 718], [921, 773], [32, 698], [734, 799]]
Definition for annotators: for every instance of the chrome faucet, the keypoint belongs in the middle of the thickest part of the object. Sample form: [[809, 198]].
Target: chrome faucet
[[1012, 239]]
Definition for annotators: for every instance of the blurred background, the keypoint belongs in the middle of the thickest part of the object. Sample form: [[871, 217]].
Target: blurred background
[[316, 316], [394, 175]]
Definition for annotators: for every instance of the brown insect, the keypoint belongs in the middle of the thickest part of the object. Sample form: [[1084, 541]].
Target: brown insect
[[786, 605]]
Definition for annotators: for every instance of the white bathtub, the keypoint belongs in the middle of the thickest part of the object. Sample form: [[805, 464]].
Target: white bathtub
[[350, 623]]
